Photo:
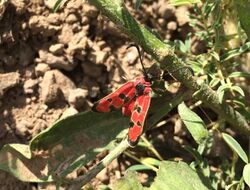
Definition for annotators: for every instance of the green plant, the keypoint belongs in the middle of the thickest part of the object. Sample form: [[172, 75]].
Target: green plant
[[215, 85]]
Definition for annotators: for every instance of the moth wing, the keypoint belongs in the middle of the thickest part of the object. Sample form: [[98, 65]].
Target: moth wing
[[117, 99], [138, 117]]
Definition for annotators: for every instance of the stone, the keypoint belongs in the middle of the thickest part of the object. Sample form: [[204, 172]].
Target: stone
[[103, 176], [64, 83], [39, 24], [22, 128], [172, 26], [29, 86], [49, 88], [20, 5], [54, 18], [181, 14], [53, 83], [41, 69], [77, 45], [90, 10], [7, 81], [3, 6], [5, 113], [58, 62], [71, 18], [56, 49], [77, 97], [166, 11], [131, 56], [98, 57], [66, 34], [50, 4]]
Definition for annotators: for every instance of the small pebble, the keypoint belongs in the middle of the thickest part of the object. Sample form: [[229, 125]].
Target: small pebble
[[41, 68], [5, 113], [71, 18], [56, 49]]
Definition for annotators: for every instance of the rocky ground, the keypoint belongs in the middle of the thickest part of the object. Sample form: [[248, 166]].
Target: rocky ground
[[54, 65]]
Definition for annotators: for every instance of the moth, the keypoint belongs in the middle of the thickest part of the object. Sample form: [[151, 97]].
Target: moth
[[134, 99]]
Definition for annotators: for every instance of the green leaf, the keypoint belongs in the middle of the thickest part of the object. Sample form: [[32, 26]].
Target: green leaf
[[72, 142], [214, 82], [15, 159], [246, 174], [129, 182], [170, 176], [138, 167], [178, 175], [215, 55], [183, 2], [59, 4], [138, 4], [67, 145], [194, 123], [235, 146], [239, 74], [239, 90], [243, 7], [221, 90], [235, 52], [150, 161]]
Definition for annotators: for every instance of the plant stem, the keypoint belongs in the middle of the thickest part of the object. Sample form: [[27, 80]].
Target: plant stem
[[140, 161], [116, 11], [151, 148], [80, 181]]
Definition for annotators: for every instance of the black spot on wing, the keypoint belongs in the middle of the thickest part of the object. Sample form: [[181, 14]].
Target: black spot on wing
[[131, 124], [109, 99], [126, 100], [138, 123], [138, 109], [122, 96], [112, 108]]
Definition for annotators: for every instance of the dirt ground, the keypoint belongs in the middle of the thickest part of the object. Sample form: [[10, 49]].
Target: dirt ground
[[57, 64]]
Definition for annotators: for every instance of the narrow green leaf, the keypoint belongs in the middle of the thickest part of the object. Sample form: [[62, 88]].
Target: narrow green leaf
[[58, 5], [214, 82], [193, 122], [215, 55], [194, 152], [221, 91], [178, 175], [235, 52], [129, 182], [183, 2], [234, 183], [138, 167], [239, 90], [239, 74], [150, 161], [138, 4], [246, 174], [243, 7], [235, 146]]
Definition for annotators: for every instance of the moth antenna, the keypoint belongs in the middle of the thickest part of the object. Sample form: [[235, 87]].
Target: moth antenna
[[140, 57]]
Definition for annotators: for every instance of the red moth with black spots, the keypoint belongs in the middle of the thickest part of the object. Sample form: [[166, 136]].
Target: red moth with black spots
[[134, 99]]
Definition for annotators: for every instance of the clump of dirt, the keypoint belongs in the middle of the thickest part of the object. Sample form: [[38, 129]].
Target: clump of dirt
[[54, 65]]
